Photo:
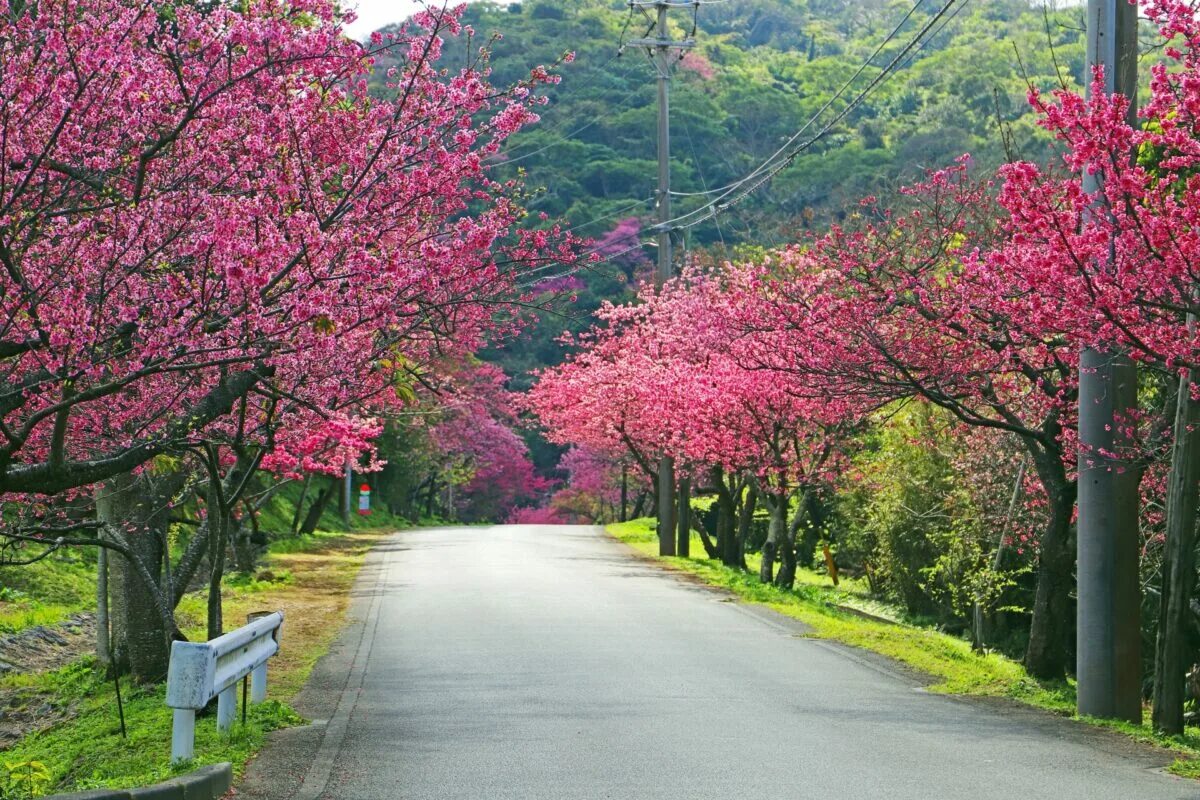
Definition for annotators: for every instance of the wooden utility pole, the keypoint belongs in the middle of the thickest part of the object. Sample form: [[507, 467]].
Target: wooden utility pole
[[660, 47], [1108, 652]]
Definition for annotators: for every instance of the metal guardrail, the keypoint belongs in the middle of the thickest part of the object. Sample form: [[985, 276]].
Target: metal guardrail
[[200, 671]]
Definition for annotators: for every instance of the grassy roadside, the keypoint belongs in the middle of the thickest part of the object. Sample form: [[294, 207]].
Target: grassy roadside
[[948, 660], [308, 579]]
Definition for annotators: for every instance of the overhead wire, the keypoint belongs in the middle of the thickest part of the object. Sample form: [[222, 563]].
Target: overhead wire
[[580, 265], [687, 131], [935, 34], [766, 171], [623, 210], [824, 107]]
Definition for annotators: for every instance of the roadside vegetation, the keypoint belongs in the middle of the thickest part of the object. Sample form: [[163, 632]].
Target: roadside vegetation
[[307, 577]]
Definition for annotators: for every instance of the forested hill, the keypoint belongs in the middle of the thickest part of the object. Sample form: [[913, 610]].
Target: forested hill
[[762, 69]]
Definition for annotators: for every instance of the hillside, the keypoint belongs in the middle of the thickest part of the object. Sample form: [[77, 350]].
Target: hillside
[[762, 69]]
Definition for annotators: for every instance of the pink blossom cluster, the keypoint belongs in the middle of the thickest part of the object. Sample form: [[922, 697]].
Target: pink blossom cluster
[[210, 230]]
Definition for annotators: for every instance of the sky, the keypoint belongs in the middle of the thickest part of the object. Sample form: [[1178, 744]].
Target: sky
[[374, 14]]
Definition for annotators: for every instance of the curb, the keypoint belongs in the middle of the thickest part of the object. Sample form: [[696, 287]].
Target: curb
[[206, 783]]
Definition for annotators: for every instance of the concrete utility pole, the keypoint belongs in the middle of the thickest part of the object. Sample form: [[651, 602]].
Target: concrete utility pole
[[660, 47], [1108, 666]]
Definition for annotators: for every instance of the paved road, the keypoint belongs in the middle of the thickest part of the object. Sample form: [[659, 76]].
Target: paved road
[[544, 662]]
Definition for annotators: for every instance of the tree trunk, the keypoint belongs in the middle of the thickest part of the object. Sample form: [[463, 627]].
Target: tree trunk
[[683, 546], [1173, 656], [136, 507], [745, 520], [666, 506], [639, 505], [298, 514], [313, 518], [624, 492], [245, 551], [726, 536], [710, 547], [785, 545], [429, 497], [218, 528], [1047, 655], [812, 510], [103, 643], [775, 534]]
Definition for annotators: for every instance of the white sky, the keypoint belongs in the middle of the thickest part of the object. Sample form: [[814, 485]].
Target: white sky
[[374, 14]]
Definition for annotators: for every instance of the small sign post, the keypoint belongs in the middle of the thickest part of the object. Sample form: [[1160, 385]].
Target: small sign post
[[364, 500]]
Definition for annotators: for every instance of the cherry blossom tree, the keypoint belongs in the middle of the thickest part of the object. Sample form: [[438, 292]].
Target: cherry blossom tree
[[672, 375], [480, 454], [212, 237], [1118, 267], [895, 305]]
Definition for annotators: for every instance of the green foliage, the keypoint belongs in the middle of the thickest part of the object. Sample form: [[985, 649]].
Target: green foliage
[[48, 591], [762, 69], [962, 576], [907, 514], [912, 509], [24, 779]]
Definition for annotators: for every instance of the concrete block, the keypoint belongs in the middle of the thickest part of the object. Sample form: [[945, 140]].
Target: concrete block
[[221, 776], [162, 791]]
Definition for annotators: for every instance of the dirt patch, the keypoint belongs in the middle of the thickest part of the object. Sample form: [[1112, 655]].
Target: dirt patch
[[25, 710], [47, 647]]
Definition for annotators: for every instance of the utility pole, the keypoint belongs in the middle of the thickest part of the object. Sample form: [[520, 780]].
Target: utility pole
[[347, 481], [1108, 651], [660, 47]]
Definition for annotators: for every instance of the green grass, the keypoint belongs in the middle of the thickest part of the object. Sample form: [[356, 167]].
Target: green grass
[[308, 578], [89, 751], [947, 660], [47, 592]]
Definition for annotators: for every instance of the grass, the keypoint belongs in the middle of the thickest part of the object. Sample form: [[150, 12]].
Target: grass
[[308, 580], [47, 592], [948, 661]]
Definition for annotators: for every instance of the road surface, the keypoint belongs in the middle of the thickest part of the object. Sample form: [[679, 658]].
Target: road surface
[[546, 662]]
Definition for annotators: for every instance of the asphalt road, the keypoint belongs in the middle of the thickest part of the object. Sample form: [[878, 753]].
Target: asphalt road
[[546, 662]]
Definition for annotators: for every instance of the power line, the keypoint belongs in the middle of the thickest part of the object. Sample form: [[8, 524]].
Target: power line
[[709, 209], [766, 171], [583, 264], [623, 210], [825, 106], [687, 131]]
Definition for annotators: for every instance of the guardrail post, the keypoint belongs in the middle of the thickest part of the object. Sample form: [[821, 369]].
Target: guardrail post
[[226, 708], [183, 735], [258, 678], [258, 684]]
